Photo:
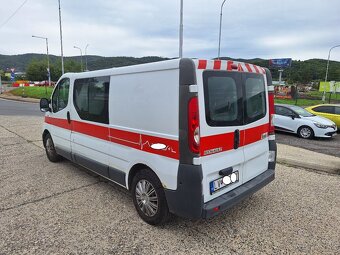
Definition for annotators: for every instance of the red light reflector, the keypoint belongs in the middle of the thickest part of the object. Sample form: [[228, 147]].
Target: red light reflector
[[216, 209]]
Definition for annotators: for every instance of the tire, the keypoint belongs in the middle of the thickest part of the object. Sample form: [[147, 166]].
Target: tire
[[305, 132], [50, 149], [149, 198]]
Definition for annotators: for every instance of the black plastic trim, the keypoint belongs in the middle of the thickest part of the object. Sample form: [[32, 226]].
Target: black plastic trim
[[64, 153], [272, 147], [93, 165], [236, 195], [187, 200], [117, 176]]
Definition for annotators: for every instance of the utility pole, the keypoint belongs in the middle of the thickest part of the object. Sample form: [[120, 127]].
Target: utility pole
[[81, 58], [181, 31], [48, 62], [61, 41], [324, 86], [219, 36], [86, 57]]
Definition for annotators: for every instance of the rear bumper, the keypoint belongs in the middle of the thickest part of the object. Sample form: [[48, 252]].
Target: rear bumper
[[187, 200], [228, 200]]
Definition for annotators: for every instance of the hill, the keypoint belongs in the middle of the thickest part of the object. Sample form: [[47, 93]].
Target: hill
[[300, 71]]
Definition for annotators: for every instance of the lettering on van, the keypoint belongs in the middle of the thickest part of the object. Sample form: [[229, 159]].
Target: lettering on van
[[212, 151]]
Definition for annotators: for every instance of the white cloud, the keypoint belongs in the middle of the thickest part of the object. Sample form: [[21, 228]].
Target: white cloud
[[251, 28]]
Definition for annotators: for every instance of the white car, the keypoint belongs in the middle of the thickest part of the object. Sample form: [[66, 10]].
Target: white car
[[294, 119]]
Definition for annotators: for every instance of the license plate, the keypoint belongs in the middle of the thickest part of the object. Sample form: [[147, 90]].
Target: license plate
[[219, 184]]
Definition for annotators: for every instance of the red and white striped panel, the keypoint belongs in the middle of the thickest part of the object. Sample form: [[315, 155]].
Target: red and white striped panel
[[228, 65]]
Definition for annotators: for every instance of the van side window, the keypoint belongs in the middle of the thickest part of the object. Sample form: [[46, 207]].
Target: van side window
[[60, 95], [255, 98], [91, 96]]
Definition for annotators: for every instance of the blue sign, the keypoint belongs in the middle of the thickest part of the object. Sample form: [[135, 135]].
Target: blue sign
[[12, 76], [280, 62]]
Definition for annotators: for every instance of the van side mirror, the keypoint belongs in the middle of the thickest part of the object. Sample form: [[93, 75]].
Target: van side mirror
[[45, 105], [292, 115]]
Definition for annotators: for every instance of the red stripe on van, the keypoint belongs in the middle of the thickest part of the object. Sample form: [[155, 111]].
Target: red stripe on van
[[240, 68], [256, 69], [217, 64], [252, 135], [202, 64], [62, 123], [248, 68], [91, 130], [170, 150], [229, 65], [216, 143], [126, 138], [225, 142]]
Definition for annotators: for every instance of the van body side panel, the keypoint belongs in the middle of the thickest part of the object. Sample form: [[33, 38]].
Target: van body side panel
[[143, 112]]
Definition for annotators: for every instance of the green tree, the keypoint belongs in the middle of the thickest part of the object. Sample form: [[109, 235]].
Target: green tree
[[37, 70]]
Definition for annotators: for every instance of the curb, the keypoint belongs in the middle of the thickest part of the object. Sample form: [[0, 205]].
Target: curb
[[20, 99], [310, 166]]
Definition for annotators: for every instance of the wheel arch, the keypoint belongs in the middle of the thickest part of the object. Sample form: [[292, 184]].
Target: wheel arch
[[45, 133], [134, 170]]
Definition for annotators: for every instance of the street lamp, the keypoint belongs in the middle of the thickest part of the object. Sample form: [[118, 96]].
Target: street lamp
[[219, 37], [81, 57], [48, 60], [86, 57], [324, 86], [61, 41], [181, 31]]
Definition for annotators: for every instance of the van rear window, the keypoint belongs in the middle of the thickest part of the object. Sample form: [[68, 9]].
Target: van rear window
[[233, 98], [255, 97], [223, 106]]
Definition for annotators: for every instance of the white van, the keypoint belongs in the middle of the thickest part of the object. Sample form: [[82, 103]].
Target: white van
[[188, 137]]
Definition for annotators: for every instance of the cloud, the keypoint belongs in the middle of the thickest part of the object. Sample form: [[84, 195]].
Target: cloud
[[251, 28]]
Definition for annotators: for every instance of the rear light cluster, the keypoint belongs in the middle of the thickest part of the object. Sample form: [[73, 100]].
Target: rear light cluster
[[271, 112], [193, 126]]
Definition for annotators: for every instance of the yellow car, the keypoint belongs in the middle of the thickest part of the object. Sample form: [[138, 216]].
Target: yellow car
[[329, 111]]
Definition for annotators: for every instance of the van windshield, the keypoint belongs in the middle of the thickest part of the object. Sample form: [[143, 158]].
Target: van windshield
[[233, 98]]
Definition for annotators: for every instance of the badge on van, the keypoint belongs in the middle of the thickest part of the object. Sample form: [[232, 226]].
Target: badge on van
[[212, 151]]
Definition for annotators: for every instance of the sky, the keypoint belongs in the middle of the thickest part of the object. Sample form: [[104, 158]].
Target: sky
[[250, 28]]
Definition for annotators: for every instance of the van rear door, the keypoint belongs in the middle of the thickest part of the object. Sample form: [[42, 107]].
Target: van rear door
[[234, 129], [221, 130], [256, 118]]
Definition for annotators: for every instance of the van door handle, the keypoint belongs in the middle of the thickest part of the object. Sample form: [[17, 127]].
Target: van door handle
[[236, 139], [68, 117]]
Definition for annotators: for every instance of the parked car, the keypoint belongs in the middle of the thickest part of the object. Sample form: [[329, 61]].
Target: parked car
[[329, 111], [294, 119]]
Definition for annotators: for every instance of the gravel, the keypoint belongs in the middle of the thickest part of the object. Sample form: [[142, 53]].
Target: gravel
[[61, 208]]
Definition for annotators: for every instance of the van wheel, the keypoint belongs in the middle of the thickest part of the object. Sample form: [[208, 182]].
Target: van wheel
[[305, 132], [50, 149], [149, 198]]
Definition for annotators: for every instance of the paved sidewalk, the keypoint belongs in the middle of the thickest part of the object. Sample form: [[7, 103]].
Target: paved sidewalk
[[297, 157]]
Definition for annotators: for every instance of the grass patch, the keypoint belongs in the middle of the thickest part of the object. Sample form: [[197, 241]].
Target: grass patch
[[33, 92], [300, 102]]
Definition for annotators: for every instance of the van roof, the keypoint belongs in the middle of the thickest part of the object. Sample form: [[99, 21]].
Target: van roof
[[229, 65]]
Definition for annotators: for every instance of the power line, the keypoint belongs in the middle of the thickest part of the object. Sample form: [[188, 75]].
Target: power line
[[13, 14]]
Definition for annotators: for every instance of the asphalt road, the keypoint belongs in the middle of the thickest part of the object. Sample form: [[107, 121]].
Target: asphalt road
[[327, 146], [60, 208], [15, 108]]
